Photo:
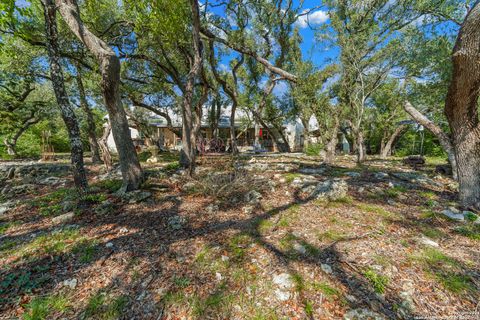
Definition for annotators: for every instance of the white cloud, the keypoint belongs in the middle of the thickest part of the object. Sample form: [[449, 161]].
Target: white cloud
[[313, 18]]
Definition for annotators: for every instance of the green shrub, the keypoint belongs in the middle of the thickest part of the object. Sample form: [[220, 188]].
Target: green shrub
[[378, 281], [313, 149]]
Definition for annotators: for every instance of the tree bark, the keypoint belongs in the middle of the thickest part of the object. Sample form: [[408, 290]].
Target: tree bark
[[332, 142], [66, 110], [110, 71], [91, 129], [188, 153], [386, 149], [442, 137], [102, 142], [461, 108]]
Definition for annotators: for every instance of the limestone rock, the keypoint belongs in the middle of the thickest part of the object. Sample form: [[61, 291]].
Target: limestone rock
[[380, 175], [353, 174], [283, 281], [6, 206], [362, 314], [330, 190], [326, 268], [428, 242], [312, 170], [71, 283], [253, 197], [136, 196], [453, 214], [63, 218]]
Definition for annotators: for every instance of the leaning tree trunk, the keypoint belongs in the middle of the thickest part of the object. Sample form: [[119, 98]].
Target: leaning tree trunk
[[461, 108], [11, 143], [11, 147], [442, 137], [110, 71], [92, 136], [66, 110], [386, 150]]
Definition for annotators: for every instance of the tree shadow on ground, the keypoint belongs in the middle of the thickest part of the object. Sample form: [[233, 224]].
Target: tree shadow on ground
[[149, 236]]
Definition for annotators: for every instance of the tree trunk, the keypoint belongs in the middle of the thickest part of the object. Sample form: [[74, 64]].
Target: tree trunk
[[11, 143], [386, 149], [92, 136], [359, 145], [233, 137], [102, 142], [442, 137], [331, 146], [461, 108], [256, 143], [10, 147], [110, 71], [187, 155], [68, 115]]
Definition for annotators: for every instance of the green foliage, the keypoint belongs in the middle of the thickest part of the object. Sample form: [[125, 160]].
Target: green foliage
[[313, 149], [446, 270], [329, 291], [378, 281], [40, 308], [172, 166], [52, 203], [105, 307], [109, 185], [471, 231], [86, 249]]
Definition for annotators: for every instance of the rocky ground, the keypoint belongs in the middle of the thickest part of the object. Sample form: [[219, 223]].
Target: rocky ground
[[269, 237]]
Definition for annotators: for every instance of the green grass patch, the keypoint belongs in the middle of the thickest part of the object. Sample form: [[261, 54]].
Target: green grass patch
[[371, 208], [238, 245], [433, 233], [329, 291], [109, 185], [181, 282], [105, 307], [379, 282], [264, 225], [471, 231], [172, 166], [218, 303], [41, 308], [85, 249], [289, 177], [7, 245], [94, 198], [55, 243], [395, 191], [331, 235], [288, 216], [430, 195], [7, 225], [445, 270]]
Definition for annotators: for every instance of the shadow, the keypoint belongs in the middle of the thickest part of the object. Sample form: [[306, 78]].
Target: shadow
[[151, 235]]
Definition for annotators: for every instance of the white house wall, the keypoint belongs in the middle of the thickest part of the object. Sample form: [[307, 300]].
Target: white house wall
[[111, 143]]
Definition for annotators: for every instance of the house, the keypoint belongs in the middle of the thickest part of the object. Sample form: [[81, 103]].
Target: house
[[167, 136]]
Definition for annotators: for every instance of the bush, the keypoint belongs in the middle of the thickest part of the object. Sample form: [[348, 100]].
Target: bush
[[313, 149], [228, 185]]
